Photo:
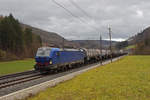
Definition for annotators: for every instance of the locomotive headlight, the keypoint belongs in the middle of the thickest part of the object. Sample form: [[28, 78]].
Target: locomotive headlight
[[50, 62]]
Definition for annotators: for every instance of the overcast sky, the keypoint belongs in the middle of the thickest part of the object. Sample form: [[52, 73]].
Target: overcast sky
[[125, 17]]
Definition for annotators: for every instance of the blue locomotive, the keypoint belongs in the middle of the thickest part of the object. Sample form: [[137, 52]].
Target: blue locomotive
[[50, 59]]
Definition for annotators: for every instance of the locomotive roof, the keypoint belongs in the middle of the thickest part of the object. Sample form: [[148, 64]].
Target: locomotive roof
[[59, 49]]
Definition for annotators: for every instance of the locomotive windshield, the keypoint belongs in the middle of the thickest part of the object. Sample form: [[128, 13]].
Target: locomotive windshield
[[43, 52]]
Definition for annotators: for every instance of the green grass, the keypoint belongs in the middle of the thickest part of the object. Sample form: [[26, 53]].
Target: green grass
[[16, 66], [130, 47], [126, 79]]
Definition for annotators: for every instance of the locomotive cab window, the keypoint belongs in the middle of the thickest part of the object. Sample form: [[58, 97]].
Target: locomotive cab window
[[43, 52]]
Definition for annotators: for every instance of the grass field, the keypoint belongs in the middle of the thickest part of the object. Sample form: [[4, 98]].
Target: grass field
[[130, 47], [16, 66], [126, 79]]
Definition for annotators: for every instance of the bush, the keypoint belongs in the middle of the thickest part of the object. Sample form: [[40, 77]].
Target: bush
[[2, 54]]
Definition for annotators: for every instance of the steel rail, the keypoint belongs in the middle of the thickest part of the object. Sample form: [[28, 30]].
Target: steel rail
[[19, 81]]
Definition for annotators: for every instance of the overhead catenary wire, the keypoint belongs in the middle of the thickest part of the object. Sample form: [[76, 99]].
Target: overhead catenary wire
[[72, 14], [83, 11], [78, 7], [64, 8]]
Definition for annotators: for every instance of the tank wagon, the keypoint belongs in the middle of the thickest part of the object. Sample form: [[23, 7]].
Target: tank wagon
[[56, 59]]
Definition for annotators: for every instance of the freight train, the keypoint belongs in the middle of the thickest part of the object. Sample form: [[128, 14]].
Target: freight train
[[56, 59]]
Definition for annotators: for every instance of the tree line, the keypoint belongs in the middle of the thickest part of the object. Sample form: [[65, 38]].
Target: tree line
[[143, 46], [16, 42], [140, 42]]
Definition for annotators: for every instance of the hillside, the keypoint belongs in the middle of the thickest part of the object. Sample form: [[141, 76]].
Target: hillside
[[140, 42], [140, 36], [94, 43], [51, 38]]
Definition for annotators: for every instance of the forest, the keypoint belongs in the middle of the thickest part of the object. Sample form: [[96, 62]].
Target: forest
[[16, 42]]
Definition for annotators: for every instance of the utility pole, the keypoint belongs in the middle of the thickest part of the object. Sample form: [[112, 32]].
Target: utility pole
[[110, 43], [63, 43], [101, 50]]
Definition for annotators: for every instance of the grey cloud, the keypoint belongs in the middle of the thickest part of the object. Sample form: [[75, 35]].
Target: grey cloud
[[126, 17]]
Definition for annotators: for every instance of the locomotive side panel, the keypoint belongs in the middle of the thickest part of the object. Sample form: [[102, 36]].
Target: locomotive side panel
[[62, 57], [59, 58]]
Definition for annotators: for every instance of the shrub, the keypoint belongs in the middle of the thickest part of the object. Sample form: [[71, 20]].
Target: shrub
[[2, 54]]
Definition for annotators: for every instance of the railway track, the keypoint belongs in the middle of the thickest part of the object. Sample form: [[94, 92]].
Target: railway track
[[14, 79], [17, 74], [18, 81]]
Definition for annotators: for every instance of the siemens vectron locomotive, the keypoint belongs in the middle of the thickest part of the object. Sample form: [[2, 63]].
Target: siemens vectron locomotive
[[55, 59]]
